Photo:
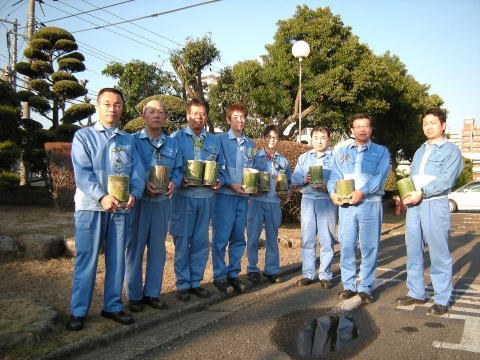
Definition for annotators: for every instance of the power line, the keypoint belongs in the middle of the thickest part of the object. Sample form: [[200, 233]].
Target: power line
[[136, 25], [148, 16], [112, 31], [101, 52], [4, 4], [123, 29], [84, 12], [20, 4]]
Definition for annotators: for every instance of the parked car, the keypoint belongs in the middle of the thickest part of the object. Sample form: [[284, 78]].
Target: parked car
[[465, 198]]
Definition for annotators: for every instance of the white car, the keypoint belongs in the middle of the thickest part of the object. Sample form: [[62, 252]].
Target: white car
[[465, 198]]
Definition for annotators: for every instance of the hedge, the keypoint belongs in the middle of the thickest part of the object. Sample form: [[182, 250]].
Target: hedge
[[60, 174]]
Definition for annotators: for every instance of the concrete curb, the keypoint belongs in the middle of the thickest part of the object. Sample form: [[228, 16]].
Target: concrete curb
[[142, 324]]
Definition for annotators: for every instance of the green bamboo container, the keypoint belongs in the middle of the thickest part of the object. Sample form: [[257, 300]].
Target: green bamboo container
[[194, 172], [281, 183], [344, 189], [263, 184], [210, 173], [118, 186], [160, 177], [405, 186], [316, 173], [249, 180]]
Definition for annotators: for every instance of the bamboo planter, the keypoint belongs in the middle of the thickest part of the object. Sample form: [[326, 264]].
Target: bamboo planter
[[160, 177], [249, 180], [118, 186], [263, 183], [344, 189], [316, 173], [194, 172], [281, 183], [405, 186], [210, 173]]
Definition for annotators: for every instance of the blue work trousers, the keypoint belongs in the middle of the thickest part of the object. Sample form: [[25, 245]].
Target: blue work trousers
[[361, 222], [189, 223], [92, 228], [318, 217], [228, 223], [270, 214], [428, 224], [149, 229]]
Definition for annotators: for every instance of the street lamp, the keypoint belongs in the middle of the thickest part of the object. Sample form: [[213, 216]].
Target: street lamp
[[300, 49]]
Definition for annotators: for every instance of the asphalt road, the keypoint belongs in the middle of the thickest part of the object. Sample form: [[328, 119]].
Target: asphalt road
[[275, 321]]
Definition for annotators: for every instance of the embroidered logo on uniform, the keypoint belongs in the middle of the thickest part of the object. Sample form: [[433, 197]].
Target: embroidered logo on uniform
[[344, 158]]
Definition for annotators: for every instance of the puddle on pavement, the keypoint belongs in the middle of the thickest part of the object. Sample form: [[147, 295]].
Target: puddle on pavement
[[316, 334]]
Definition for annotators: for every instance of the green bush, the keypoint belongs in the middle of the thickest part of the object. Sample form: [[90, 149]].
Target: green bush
[[9, 154], [9, 180]]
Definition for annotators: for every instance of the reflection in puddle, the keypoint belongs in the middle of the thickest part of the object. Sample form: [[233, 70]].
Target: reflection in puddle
[[317, 333], [325, 335]]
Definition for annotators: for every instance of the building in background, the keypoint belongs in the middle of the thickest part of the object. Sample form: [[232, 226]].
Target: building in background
[[471, 145]]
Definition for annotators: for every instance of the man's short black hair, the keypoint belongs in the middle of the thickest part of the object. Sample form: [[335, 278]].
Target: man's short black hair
[[439, 113], [111, 90]]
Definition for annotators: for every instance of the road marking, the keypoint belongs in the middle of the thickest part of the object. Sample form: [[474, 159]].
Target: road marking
[[470, 295]]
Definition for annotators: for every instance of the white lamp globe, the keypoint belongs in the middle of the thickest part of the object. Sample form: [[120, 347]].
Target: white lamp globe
[[300, 49]]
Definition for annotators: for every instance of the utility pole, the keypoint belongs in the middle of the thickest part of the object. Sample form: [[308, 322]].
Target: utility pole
[[10, 74], [30, 28]]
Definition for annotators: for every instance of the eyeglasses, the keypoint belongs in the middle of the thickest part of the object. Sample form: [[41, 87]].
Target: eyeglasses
[[241, 117], [201, 114], [358, 127], [152, 111]]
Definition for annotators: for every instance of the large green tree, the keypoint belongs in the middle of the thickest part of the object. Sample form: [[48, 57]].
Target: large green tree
[[341, 76], [139, 80], [189, 62], [53, 61]]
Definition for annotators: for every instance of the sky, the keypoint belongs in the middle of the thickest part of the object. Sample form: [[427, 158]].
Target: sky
[[438, 40]]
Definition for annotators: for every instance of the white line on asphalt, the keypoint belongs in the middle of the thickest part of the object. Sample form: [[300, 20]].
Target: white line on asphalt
[[469, 340]]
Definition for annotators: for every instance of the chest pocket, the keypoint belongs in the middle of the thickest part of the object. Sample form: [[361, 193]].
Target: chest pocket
[[167, 157], [370, 163], [121, 158], [436, 160]]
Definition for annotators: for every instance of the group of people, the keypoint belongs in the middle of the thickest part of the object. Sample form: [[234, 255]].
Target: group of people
[[143, 219]]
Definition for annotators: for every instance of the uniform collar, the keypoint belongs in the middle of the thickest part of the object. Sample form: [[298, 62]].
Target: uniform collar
[[366, 146], [145, 135], [100, 128], [439, 143], [262, 152], [327, 152], [190, 132], [231, 136]]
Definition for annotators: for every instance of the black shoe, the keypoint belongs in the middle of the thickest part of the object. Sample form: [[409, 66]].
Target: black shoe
[[75, 323], [154, 302], [408, 300], [367, 297], [305, 282], [346, 294], [437, 309], [119, 316], [326, 284], [274, 279], [200, 292], [237, 285], [135, 305], [224, 286], [254, 277], [183, 295]]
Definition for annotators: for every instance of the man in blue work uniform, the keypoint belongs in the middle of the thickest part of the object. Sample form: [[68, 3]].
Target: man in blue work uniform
[[193, 205], [435, 167], [97, 152], [318, 213], [265, 209], [360, 220], [150, 222], [231, 203]]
